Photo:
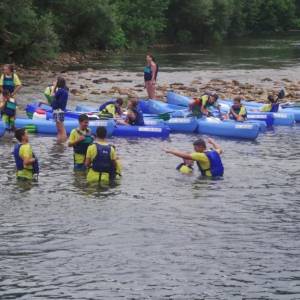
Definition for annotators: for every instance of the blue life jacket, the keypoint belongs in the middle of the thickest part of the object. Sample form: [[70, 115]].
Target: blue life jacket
[[216, 167], [274, 107], [102, 107], [102, 163], [8, 83], [20, 163], [139, 119], [9, 109], [81, 147], [148, 73]]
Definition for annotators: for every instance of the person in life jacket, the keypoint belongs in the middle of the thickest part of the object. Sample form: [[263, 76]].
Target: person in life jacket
[[208, 161], [186, 167], [101, 159], [203, 105], [10, 81], [150, 75], [8, 107], [26, 162], [111, 109], [272, 106], [49, 93], [80, 139], [134, 114], [238, 111]]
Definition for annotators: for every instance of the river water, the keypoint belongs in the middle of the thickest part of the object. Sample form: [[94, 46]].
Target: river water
[[158, 234]]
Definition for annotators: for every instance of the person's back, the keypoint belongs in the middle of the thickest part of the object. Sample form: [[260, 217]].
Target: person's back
[[134, 115], [101, 159], [111, 109]]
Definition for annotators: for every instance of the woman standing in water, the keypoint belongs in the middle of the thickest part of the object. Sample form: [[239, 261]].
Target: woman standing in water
[[150, 76], [60, 98]]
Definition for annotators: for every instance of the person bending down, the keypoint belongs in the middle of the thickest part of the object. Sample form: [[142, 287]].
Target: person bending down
[[208, 161]]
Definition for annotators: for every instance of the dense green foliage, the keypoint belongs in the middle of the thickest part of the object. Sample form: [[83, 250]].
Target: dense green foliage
[[34, 30]]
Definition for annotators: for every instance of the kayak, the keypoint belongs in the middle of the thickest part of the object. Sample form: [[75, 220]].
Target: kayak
[[49, 127], [2, 128], [231, 129], [285, 117], [42, 112]]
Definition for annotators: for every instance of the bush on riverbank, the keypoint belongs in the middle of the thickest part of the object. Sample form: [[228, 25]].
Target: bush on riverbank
[[33, 30]]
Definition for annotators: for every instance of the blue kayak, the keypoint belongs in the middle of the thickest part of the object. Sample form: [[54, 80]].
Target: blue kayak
[[49, 127], [2, 128], [159, 130], [231, 129], [285, 117]]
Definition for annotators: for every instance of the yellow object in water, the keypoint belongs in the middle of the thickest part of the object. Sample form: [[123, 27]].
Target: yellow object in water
[[184, 169]]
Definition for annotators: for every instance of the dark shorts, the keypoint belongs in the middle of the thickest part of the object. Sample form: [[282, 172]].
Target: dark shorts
[[59, 116]]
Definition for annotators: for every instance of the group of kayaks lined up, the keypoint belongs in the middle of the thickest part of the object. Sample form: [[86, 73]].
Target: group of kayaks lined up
[[161, 118]]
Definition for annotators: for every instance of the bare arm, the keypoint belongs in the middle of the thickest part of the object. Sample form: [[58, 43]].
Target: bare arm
[[153, 69], [87, 162], [215, 146], [180, 154], [18, 87], [28, 161]]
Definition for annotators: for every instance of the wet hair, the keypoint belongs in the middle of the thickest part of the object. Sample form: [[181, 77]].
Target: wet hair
[[119, 101], [6, 93], [152, 57], [10, 67], [237, 99], [83, 117], [271, 98], [61, 83], [101, 132], [19, 133], [214, 94], [200, 143]]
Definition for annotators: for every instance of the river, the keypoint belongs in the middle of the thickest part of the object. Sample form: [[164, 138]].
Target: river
[[159, 234]]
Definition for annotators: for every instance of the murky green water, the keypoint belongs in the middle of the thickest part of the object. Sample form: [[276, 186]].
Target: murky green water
[[158, 235]]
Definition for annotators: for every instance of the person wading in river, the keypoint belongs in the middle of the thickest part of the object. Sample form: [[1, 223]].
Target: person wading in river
[[150, 76]]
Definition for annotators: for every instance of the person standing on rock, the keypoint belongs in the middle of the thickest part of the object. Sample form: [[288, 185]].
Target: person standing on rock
[[150, 76], [60, 98], [10, 81]]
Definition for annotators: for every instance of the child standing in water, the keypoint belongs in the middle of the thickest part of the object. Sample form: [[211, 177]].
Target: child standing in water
[[8, 109]]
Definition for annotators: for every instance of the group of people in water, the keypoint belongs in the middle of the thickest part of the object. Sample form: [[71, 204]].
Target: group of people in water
[[93, 154]]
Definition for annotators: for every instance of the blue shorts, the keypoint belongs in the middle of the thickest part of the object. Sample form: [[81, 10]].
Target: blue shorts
[[59, 116]]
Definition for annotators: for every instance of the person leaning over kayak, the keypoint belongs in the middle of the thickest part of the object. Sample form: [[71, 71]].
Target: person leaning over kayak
[[238, 111], [111, 109], [80, 138], [8, 109], [208, 161], [10, 81], [134, 115], [101, 160], [150, 76], [60, 99], [26, 162], [203, 105]]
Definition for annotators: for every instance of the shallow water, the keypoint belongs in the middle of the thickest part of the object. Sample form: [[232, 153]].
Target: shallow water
[[158, 234]]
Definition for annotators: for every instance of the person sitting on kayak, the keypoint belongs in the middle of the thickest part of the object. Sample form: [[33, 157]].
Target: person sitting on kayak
[[26, 162], [111, 109], [186, 167], [8, 109], [238, 111], [101, 159], [208, 161], [204, 105], [134, 114], [80, 138]]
